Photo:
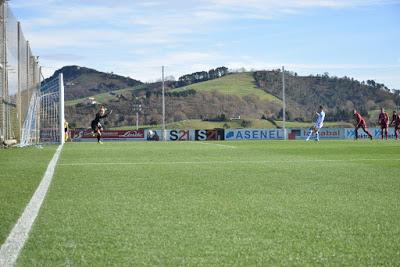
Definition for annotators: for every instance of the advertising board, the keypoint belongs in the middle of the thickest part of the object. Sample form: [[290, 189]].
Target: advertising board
[[349, 133], [253, 134], [108, 135]]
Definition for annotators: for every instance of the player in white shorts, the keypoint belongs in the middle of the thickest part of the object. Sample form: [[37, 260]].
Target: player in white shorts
[[319, 122]]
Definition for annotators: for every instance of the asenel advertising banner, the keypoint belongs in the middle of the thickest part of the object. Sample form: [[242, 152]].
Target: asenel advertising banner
[[254, 134]]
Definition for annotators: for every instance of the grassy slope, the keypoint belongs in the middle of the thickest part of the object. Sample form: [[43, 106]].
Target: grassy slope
[[21, 172], [240, 84], [100, 98], [104, 97], [252, 209]]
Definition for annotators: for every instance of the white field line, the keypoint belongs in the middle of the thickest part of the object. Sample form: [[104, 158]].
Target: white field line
[[212, 144], [11, 248], [220, 162]]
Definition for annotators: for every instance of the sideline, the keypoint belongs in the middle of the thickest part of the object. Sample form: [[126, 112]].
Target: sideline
[[15, 241], [221, 162]]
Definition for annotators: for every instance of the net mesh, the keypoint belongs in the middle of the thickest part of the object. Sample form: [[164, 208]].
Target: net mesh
[[50, 115], [29, 133], [21, 100]]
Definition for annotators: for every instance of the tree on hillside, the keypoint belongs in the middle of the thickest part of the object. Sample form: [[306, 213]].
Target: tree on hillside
[[201, 76], [337, 94]]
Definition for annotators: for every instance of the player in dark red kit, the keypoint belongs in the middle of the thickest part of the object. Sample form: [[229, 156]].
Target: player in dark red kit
[[360, 123], [383, 120], [396, 123]]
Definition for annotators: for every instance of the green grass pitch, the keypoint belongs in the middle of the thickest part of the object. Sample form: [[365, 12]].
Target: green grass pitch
[[20, 173], [247, 203]]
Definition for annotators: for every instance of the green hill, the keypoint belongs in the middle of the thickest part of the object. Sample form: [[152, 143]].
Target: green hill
[[239, 84], [195, 99], [231, 95], [339, 95], [83, 82]]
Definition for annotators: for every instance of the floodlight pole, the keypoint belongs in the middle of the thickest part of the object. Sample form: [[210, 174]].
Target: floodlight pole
[[38, 92], [284, 103], [19, 102], [4, 69], [137, 107], [163, 106], [137, 120]]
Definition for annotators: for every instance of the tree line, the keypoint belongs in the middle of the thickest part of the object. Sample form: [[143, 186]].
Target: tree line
[[339, 95], [201, 76]]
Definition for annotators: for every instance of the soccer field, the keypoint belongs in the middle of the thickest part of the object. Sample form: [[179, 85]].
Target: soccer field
[[221, 204]]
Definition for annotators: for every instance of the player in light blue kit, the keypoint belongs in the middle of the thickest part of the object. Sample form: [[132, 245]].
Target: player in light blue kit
[[319, 122]]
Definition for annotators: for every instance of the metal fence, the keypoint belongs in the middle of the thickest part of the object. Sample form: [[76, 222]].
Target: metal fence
[[19, 75]]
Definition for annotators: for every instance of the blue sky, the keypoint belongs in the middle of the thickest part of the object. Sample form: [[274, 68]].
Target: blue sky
[[355, 38]]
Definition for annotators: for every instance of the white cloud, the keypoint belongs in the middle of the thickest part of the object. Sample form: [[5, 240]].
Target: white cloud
[[150, 30], [178, 57], [272, 4], [250, 63], [69, 38], [153, 21], [62, 56], [269, 9], [54, 16], [31, 4]]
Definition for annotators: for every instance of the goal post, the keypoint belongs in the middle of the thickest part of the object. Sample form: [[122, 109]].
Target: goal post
[[61, 104], [52, 110], [44, 121]]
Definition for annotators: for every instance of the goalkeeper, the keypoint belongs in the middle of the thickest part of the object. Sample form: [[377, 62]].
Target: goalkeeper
[[96, 123]]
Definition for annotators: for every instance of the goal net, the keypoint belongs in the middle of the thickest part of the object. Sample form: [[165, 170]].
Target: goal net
[[29, 108], [51, 101]]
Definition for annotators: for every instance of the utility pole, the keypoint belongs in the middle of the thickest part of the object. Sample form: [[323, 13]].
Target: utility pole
[[163, 106], [62, 115], [2, 67], [137, 107], [3, 56], [284, 103], [19, 101]]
